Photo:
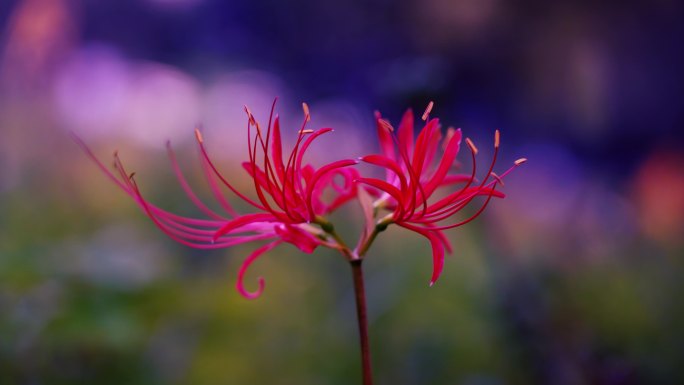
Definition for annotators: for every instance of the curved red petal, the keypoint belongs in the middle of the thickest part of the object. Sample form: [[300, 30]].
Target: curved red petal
[[437, 250], [405, 131], [246, 264], [445, 164], [241, 221]]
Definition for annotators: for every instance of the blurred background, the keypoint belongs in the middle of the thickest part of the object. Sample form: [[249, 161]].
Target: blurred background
[[574, 278]]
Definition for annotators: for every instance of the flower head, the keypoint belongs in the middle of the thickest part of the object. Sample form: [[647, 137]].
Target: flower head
[[289, 196], [415, 171]]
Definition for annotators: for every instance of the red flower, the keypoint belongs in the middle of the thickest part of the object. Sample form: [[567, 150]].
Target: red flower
[[290, 196], [414, 173]]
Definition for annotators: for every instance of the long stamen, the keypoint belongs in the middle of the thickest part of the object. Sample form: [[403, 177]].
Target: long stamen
[[186, 187], [454, 197], [211, 164], [489, 198]]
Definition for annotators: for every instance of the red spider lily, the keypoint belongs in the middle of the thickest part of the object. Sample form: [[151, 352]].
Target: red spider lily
[[289, 196], [414, 173]]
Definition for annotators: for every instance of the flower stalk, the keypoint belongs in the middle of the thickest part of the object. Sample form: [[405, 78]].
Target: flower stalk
[[360, 295]]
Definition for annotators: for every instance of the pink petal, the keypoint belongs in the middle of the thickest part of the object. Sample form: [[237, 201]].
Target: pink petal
[[405, 132], [423, 144], [318, 174], [246, 264], [385, 138], [366, 202], [437, 249], [445, 164], [389, 164], [304, 240], [241, 221], [277, 151], [389, 189]]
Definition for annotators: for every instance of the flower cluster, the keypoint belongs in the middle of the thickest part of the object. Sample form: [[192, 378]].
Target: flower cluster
[[292, 198], [414, 172]]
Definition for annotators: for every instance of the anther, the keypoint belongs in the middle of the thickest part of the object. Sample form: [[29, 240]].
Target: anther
[[198, 135], [307, 131], [496, 138], [305, 107], [386, 125], [520, 161], [471, 145], [427, 110], [252, 121]]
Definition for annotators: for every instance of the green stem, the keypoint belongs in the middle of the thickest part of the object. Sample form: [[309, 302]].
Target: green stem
[[360, 294]]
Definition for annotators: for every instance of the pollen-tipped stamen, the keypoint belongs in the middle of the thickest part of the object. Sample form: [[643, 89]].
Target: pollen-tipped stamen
[[471, 145], [211, 164], [307, 115], [428, 109], [498, 179], [386, 125]]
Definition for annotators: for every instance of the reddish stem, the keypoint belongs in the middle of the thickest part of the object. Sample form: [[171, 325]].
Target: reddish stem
[[360, 294]]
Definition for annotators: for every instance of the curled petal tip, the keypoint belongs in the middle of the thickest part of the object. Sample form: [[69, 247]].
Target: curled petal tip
[[252, 295]]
